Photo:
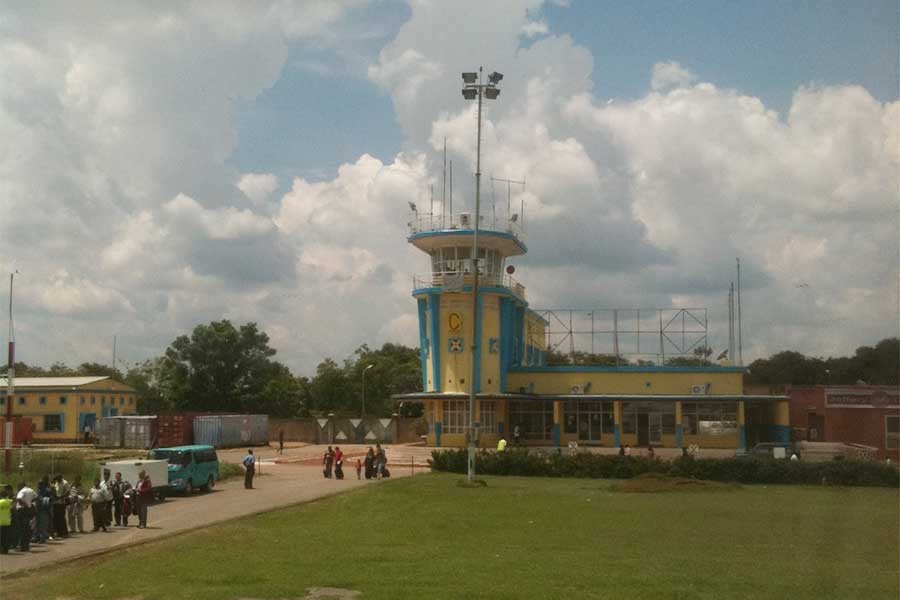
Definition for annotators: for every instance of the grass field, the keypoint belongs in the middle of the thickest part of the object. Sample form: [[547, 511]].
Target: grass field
[[426, 537]]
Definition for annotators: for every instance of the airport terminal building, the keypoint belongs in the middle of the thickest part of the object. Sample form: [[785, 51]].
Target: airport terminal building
[[652, 404]]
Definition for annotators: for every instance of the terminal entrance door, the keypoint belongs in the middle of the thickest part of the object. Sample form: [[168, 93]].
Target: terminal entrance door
[[649, 428]]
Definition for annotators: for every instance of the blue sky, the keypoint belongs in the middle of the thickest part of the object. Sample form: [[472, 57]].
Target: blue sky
[[323, 111]]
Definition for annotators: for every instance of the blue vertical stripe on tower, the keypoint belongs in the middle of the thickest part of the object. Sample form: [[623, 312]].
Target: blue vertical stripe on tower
[[423, 340], [505, 337], [435, 309]]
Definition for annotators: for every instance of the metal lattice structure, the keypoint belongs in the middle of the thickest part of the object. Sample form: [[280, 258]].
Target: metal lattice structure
[[640, 333]]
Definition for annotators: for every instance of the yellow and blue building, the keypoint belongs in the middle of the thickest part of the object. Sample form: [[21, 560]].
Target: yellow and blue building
[[663, 406], [61, 408]]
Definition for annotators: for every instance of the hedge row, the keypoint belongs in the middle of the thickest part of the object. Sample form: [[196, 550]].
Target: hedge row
[[739, 469]]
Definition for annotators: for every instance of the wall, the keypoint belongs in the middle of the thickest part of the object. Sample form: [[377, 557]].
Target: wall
[[852, 425], [624, 382], [308, 430]]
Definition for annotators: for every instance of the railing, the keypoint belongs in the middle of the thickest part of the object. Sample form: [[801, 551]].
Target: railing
[[422, 222], [455, 281]]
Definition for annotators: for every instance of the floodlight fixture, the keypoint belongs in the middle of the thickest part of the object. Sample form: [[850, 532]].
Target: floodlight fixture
[[491, 93], [514, 218], [412, 206], [495, 77], [470, 77], [470, 93]]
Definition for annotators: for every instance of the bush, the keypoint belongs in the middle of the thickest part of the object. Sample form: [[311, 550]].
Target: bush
[[737, 470]]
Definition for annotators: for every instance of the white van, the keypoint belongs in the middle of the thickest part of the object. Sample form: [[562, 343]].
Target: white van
[[157, 470]]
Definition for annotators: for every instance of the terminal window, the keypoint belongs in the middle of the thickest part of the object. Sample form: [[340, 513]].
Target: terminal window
[[52, 423], [892, 432], [488, 417], [456, 416]]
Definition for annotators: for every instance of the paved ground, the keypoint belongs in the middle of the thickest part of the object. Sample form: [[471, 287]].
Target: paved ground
[[292, 481]]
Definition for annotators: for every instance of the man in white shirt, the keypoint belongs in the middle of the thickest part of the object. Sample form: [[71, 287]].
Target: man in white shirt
[[23, 515]]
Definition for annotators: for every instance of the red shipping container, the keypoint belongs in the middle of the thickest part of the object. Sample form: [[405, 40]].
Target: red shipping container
[[21, 431]]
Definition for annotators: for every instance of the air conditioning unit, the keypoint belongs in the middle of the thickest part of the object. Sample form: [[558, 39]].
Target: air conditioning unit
[[577, 389], [700, 390], [465, 220]]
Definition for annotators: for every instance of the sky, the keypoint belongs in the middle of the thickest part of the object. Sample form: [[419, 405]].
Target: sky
[[171, 164]]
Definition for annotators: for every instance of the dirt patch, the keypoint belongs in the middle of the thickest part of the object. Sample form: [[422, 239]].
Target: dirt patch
[[651, 483], [325, 593]]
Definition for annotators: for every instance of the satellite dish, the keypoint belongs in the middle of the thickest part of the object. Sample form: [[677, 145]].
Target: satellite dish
[[510, 269]]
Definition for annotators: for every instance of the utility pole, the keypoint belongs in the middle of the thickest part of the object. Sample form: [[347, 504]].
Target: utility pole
[[739, 336]]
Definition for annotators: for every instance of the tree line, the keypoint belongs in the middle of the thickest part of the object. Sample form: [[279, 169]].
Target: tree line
[[223, 368]]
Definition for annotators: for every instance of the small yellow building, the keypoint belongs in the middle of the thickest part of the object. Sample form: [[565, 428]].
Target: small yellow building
[[62, 408], [516, 390]]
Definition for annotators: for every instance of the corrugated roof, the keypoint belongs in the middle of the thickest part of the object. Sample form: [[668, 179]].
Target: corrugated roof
[[51, 382]]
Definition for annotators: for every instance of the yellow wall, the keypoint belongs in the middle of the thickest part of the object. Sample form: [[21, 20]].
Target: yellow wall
[[101, 393], [624, 382], [456, 367], [490, 328]]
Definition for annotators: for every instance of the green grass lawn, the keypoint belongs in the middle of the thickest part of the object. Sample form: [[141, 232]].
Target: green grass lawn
[[426, 537]]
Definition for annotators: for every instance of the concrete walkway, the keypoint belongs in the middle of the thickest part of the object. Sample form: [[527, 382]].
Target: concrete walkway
[[279, 485]]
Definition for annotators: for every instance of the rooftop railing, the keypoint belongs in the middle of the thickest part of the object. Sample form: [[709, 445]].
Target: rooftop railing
[[422, 222], [454, 281]]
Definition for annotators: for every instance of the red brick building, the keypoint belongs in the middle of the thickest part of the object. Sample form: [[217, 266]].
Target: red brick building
[[856, 414]]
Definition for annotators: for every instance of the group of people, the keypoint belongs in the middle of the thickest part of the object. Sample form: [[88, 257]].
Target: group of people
[[55, 510], [374, 464]]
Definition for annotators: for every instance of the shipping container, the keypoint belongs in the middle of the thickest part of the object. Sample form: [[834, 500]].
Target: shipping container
[[139, 432], [229, 431], [176, 429], [110, 432], [21, 431]]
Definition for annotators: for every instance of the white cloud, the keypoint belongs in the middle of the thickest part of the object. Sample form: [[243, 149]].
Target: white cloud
[[534, 28], [258, 186], [668, 75]]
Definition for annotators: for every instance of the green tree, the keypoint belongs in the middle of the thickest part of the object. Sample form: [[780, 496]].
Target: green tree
[[218, 368]]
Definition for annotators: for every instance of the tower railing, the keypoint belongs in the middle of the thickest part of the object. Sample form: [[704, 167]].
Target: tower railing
[[455, 281], [423, 222]]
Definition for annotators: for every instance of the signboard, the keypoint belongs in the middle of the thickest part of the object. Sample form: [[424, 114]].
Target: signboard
[[718, 427], [854, 398]]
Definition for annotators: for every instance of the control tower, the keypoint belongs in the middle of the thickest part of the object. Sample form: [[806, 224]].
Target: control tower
[[509, 333]]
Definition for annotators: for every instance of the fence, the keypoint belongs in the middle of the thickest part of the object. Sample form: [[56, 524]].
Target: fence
[[329, 430]]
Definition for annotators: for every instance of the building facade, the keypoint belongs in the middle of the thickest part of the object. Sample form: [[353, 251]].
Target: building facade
[[61, 408], [662, 406], [857, 414]]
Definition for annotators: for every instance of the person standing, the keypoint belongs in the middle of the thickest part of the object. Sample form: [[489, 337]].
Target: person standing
[[117, 498], [338, 463], [517, 436], [75, 507], [358, 469], [380, 461], [43, 511], [327, 462], [281, 441], [144, 496], [98, 506], [651, 453], [87, 433], [370, 463], [60, 497], [501, 445], [128, 502], [106, 488], [23, 515], [249, 463], [5, 521]]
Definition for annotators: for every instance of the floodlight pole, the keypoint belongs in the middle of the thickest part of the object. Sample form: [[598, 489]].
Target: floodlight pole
[[473, 433], [10, 385]]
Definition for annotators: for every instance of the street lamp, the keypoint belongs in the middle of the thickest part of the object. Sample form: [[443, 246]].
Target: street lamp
[[472, 89], [364, 390]]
